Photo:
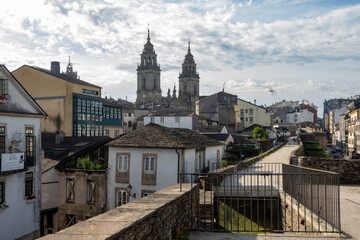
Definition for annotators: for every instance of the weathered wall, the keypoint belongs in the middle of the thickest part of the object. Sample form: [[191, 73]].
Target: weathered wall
[[80, 207], [349, 170], [158, 216], [320, 137]]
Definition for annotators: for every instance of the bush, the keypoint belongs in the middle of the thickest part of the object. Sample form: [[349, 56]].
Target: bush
[[312, 149], [86, 163]]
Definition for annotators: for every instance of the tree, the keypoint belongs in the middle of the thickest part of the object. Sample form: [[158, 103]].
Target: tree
[[259, 132]]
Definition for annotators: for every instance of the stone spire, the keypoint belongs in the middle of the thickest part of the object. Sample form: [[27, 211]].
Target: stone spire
[[174, 92], [148, 76], [69, 70]]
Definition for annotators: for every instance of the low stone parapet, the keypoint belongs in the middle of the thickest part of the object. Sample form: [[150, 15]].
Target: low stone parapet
[[349, 170], [158, 216]]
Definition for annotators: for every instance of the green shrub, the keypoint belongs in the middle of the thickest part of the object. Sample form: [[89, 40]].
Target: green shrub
[[86, 163]]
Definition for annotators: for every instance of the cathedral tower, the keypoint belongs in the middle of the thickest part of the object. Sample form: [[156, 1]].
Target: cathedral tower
[[189, 81], [148, 77]]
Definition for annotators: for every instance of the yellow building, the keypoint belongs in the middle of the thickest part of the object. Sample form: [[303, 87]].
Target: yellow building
[[354, 116], [247, 114], [58, 93]]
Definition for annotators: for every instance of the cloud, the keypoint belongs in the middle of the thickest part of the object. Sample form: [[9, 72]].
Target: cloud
[[228, 38]]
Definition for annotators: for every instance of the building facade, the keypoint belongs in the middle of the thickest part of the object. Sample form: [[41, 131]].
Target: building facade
[[247, 114], [150, 158], [148, 77], [188, 84], [73, 106], [20, 153], [219, 107]]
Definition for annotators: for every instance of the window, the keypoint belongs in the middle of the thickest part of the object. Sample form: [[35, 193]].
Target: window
[[246, 110], [121, 197], [111, 113], [162, 119], [70, 219], [30, 146], [79, 105], [92, 107], [106, 132], [246, 119], [149, 165], [29, 184], [3, 87], [129, 124], [2, 139], [123, 161], [251, 119], [91, 187], [2, 192], [177, 119], [70, 190], [117, 133], [251, 111]]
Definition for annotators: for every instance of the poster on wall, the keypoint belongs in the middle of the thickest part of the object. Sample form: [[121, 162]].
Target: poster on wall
[[12, 161]]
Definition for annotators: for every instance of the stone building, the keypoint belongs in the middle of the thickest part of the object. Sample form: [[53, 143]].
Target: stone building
[[218, 107], [149, 93], [148, 77], [188, 84]]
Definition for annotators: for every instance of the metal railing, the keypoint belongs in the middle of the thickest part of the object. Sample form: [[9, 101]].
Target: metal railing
[[270, 197]]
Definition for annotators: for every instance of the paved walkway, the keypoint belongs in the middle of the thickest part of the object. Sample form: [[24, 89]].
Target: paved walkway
[[349, 205], [282, 155]]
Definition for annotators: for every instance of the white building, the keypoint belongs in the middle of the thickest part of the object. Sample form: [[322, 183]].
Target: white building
[[20, 171], [300, 116], [151, 157], [173, 120]]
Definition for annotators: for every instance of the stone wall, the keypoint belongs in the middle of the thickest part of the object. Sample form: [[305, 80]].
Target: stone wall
[[319, 137], [247, 162], [296, 217], [349, 170], [158, 216]]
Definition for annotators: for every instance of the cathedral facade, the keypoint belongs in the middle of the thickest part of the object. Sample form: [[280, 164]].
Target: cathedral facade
[[149, 82]]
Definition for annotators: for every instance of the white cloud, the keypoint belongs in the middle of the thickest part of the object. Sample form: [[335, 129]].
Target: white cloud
[[102, 36]]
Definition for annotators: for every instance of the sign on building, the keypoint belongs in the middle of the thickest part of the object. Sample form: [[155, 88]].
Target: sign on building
[[12, 161]]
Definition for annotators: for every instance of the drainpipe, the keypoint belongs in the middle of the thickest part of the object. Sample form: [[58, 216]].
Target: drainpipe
[[178, 170]]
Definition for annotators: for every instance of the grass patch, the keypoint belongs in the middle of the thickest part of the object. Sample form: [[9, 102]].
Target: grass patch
[[231, 220]]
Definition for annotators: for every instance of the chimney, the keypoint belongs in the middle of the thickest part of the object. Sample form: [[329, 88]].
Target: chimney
[[254, 101], [55, 68], [59, 137]]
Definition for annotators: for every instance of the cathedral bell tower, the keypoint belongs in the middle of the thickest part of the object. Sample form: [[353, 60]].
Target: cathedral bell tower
[[148, 77], [189, 81]]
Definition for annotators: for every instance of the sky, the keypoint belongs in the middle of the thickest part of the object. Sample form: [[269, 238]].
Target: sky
[[268, 50]]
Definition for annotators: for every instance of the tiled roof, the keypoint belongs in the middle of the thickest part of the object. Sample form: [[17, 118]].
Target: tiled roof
[[155, 136], [218, 137], [70, 145], [64, 77]]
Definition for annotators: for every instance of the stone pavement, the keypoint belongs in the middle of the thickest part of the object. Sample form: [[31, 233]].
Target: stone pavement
[[349, 205], [282, 155]]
